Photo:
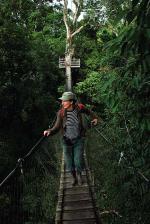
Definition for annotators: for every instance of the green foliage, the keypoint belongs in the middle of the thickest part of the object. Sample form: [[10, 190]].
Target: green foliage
[[119, 81], [113, 79], [29, 70], [30, 45]]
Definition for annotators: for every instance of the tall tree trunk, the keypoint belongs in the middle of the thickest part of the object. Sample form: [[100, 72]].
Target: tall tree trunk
[[69, 39]]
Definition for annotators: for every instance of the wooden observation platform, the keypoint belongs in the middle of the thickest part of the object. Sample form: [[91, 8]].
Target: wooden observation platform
[[75, 63]]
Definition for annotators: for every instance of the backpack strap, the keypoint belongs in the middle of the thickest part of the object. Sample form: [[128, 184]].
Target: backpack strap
[[62, 111], [80, 106]]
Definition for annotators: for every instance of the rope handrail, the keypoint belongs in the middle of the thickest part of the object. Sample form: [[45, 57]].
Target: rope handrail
[[33, 148], [98, 131], [124, 157], [21, 160], [10, 174]]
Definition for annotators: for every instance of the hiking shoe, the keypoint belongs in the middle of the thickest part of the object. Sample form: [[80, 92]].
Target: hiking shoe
[[74, 181], [80, 181]]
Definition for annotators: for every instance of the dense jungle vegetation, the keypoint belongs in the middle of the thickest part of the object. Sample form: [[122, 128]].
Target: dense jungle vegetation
[[114, 48]]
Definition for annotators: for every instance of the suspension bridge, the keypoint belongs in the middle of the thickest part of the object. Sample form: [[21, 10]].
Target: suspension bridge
[[24, 188], [39, 190]]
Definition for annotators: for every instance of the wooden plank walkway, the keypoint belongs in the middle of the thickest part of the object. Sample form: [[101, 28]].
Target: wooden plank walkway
[[76, 203]]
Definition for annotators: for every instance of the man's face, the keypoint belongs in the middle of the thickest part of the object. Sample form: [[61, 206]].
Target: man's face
[[67, 104]]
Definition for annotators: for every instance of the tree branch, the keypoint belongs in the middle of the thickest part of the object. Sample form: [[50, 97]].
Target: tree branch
[[75, 15], [110, 212], [77, 31], [65, 10], [142, 175]]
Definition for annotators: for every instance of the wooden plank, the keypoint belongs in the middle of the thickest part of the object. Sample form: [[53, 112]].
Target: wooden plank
[[75, 63], [82, 214], [77, 197], [68, 202], [77, 186], [68, 174], [77, 203], [88, 221], [84, 170], [75, 208], [69, 185], [76, 190], [69, 179], [74, 199]]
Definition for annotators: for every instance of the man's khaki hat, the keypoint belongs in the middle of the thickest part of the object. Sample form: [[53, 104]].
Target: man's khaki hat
[[67, 96]]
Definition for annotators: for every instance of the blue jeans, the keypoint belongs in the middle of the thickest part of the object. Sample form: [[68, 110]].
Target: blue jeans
[[73, 155]]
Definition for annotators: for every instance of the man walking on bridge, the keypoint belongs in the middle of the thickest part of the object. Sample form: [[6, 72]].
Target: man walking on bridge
[[70, 121]]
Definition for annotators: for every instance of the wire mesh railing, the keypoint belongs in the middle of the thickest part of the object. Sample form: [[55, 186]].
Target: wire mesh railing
[[29, 193]]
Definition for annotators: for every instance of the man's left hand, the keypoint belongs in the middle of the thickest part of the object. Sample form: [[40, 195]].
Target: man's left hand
[[94, 121]]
